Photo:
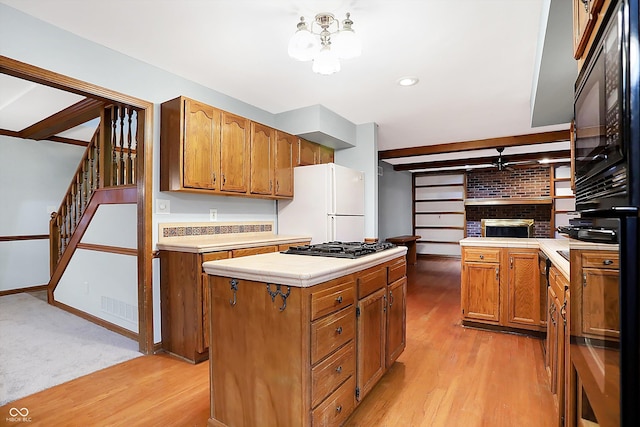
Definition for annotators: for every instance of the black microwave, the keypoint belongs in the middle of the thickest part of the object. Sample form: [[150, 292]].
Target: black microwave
[[605, 153]]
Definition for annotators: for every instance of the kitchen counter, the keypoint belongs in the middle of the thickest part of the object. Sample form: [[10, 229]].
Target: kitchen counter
[[201, 244], [220, 236], [296, 270], [549, 246]]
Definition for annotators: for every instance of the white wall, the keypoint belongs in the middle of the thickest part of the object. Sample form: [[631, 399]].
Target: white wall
[[364, 157], [394, 202], [37, 43], [34, 176]]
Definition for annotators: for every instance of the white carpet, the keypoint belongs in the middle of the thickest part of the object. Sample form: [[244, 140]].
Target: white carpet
[[42, 346]]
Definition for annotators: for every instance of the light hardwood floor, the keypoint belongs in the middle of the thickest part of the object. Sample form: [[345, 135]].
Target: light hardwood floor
[[447, 376]]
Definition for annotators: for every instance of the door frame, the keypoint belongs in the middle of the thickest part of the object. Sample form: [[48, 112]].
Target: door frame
[[144, 178]]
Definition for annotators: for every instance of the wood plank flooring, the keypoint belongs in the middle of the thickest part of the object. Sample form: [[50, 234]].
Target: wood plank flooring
[[447, 376]]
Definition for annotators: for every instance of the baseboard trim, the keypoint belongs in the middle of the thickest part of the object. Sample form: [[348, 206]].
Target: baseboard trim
[[21, 290], [98, 321], [499, 328], [439, 256]]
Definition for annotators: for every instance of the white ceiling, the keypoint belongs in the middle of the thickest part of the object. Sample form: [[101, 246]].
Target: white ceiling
[[476, 59]]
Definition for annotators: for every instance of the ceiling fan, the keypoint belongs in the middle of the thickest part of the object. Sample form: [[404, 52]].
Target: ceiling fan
[[500, 163]]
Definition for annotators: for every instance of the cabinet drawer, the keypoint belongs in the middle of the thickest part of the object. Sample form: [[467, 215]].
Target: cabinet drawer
[[331, 372], [482, 254], [337, 407], [397, 269], [370, 280], [332, 332], [600, 260], [214, 256], [253, 251], [332, 299]]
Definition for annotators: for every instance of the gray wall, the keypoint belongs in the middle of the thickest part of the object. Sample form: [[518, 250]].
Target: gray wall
[[395, 202]]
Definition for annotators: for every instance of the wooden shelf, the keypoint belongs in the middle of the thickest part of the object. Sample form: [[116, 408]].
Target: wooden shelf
[[509, 201]]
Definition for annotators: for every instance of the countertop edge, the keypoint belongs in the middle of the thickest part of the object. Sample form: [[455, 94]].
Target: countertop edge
[[211, 246], [298, 279]]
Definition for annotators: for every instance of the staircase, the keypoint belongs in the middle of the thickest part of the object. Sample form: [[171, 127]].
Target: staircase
[[106, 175]]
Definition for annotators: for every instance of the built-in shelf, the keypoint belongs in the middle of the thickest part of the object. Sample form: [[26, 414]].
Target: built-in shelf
[[509, 201]]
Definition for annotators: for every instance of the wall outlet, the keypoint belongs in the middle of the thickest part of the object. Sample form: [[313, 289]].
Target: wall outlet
[[213, 214], [163, 206]]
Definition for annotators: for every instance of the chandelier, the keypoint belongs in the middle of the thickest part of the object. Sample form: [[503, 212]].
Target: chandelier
[[325, 44]]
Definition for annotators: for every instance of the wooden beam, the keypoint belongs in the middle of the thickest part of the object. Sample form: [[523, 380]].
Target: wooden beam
[[60, 139], [527, 157], [75, 115], [481, 144]]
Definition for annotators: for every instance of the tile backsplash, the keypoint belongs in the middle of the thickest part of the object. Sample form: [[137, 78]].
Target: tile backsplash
[[207, 229]]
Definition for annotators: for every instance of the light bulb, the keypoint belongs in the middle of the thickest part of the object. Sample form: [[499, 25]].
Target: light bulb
[[326, 62]]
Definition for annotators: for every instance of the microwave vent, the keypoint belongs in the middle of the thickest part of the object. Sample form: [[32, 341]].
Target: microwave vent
[[613, 185]]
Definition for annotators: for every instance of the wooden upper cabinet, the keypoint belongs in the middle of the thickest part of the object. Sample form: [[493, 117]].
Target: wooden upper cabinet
[[307, 153], [325, 154], [201, 147], [283, 167], [585, 22], [262, 157], [234, 153], [210, 151], [310, 153]]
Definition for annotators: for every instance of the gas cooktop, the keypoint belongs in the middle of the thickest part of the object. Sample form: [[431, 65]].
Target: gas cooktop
[[339, 249]]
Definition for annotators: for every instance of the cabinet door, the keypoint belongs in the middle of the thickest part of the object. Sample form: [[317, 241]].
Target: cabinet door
[[201, 144], [523, 288], [481, 291], [307, 153], [325, 154], [396, 316], [262, 151], [234, 153], [202, 311], [600, 299], [552, 338], [371, 325], [285, 144]]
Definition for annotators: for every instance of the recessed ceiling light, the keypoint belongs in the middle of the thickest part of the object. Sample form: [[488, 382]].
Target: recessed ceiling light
[[408, 81]]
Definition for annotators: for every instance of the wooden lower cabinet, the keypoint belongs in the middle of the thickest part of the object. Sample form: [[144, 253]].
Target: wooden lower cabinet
[[501, 287], [557, 357], [291, 356], [184, 300]]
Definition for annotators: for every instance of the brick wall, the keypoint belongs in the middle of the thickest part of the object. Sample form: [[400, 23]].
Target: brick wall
[[520, 182]]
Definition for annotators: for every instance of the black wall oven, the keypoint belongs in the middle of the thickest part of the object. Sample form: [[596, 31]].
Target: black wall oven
[[607, 172]]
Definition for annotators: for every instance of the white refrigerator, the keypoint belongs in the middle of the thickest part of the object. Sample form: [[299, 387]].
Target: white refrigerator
[[328, 204]]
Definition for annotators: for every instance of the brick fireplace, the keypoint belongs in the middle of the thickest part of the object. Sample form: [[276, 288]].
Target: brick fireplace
[[529, 182]]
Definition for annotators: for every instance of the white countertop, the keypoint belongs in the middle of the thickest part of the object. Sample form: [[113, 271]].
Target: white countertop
[[225, 242], [548, 246], [296, 270]]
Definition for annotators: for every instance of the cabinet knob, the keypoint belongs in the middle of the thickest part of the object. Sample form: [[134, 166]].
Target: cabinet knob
[[339, 409], [339, 369], [607, 262], [481, 256], [339, 330], [339, 299]]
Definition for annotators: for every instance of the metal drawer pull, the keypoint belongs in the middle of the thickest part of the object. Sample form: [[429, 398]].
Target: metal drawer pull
[[339, 408], [339, 330], [339, 369], [607, 262], [339, 299], [497, 273]]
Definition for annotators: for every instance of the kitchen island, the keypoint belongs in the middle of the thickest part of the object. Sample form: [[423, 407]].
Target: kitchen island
[[300, 340]]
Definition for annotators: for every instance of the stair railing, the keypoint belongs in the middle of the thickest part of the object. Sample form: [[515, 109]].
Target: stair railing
[[108, 161]]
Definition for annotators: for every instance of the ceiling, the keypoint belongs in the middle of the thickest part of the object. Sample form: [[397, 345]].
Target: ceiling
[[481, 63]]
